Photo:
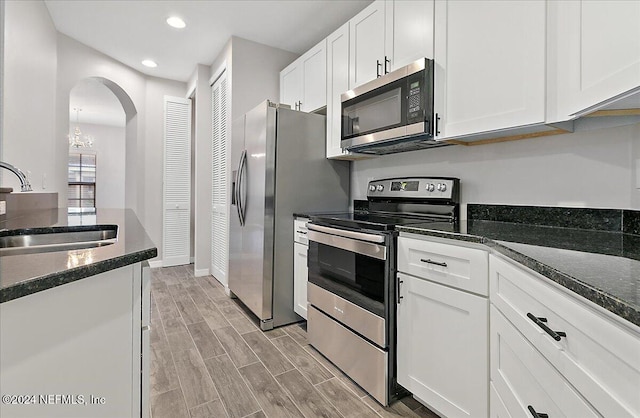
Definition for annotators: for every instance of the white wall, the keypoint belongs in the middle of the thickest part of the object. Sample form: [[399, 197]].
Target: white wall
[[109, 148], [199, 83], [29, 89], [36, 89], [585, 169]]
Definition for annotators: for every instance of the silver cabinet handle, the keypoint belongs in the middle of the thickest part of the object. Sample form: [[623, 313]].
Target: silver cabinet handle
[[429, 261]]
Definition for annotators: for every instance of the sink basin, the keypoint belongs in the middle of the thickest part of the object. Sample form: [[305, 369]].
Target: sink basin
[[37, 240]]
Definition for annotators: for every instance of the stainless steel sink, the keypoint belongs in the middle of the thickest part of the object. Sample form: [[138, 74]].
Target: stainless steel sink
[[25, 241]]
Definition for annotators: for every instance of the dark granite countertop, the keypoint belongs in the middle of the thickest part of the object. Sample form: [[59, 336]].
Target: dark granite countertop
[[602, 266], [25, 274]]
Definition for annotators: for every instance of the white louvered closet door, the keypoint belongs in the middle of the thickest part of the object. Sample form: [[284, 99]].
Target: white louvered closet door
[[177, 181], [219, 183]]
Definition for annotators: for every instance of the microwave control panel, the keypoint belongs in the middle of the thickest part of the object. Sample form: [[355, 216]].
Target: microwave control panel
[[416, 92]]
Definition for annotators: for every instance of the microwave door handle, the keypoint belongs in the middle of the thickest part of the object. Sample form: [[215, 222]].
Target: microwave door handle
[[355, 125]]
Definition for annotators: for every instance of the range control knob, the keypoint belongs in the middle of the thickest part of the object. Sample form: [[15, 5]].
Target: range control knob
[[442, 187], [380, 187], [372, 188], [430, 187]]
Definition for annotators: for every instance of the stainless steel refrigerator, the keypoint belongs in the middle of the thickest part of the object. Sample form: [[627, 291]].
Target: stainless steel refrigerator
[[278, 168]]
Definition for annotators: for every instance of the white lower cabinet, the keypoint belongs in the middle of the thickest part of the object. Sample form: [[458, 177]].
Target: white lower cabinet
[[592, 352], [77, 350], [442, 328], [442, 347], [525, 381], [300, 271]]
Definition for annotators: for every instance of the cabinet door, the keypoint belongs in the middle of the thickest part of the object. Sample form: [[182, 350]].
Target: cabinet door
[[411, 25], [337, 83], [523, 378], [300, 276], [598, 51], [490, 65], [291, 84], [314, 78], [367, 37], [443, 347]]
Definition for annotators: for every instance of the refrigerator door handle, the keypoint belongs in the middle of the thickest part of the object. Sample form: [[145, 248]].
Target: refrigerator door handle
[[241, 197]]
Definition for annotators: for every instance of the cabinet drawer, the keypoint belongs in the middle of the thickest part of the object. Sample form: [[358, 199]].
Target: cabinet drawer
[[523, 378], [362, 361], [460, 267], [598, 356], [300, 231]]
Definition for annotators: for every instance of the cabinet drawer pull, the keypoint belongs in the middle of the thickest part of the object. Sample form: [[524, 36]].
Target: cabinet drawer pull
[[539, 321], [378, 68], [302, 232], [429, 261], [537, 414], [386, 60]]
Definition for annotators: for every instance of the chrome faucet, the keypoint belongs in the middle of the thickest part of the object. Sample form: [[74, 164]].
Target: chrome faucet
[[24, 183]]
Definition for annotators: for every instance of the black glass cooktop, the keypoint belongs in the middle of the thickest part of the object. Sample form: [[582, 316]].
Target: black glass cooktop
[[372, 221]]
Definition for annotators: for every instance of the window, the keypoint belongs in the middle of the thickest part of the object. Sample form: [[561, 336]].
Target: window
[[81, 193]]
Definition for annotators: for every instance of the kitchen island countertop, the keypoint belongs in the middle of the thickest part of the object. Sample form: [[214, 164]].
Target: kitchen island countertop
[[25, 274]]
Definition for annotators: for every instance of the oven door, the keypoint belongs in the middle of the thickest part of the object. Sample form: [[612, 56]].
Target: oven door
[[350, 264]]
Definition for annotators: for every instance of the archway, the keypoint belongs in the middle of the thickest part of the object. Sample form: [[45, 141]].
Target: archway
[[102, 146]]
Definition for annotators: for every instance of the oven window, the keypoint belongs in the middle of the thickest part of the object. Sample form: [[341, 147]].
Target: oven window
[[361, 273], [376, 113]]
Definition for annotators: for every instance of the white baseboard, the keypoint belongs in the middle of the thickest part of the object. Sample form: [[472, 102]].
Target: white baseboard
[[200, 272], [155, 264]]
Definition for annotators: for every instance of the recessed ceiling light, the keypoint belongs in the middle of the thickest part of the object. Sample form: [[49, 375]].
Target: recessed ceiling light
[[149, 63], [176, 22]]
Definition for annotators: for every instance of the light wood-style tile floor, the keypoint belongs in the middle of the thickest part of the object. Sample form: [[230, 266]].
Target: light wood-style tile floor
[[209, 359]]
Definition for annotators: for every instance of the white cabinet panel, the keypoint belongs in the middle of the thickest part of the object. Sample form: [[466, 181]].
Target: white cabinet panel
[[367, 41], [300, 271], [451, 265], [337, 83], [490, 65], [524, 379], [599, 358], [443, 348], [80, 339], [411, 22], [300, 279], [314, 78], [598, 51], [303, 82], [291, 84]]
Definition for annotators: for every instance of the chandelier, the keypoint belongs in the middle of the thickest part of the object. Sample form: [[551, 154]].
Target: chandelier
[[76, 140]]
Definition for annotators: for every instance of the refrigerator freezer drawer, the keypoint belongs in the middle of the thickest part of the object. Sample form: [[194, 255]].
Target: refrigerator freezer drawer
[[362, 361]]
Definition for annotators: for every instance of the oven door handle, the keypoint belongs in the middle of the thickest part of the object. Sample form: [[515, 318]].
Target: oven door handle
[[368, 249], [347, 234]]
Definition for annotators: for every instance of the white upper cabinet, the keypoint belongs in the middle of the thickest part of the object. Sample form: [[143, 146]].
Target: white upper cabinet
[[412, 34], [388, 35], [337, 83], [291, 85], [489, 65], [302, 83], [594, 53], [367, 41]]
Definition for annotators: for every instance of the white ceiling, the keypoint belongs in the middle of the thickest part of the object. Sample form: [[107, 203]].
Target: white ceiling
[[133, 30]]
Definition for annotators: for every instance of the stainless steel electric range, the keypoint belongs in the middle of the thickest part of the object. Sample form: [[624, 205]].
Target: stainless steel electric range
[[352, 268]]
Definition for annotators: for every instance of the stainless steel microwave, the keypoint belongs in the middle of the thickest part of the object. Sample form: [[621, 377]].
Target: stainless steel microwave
[[392, 113]]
